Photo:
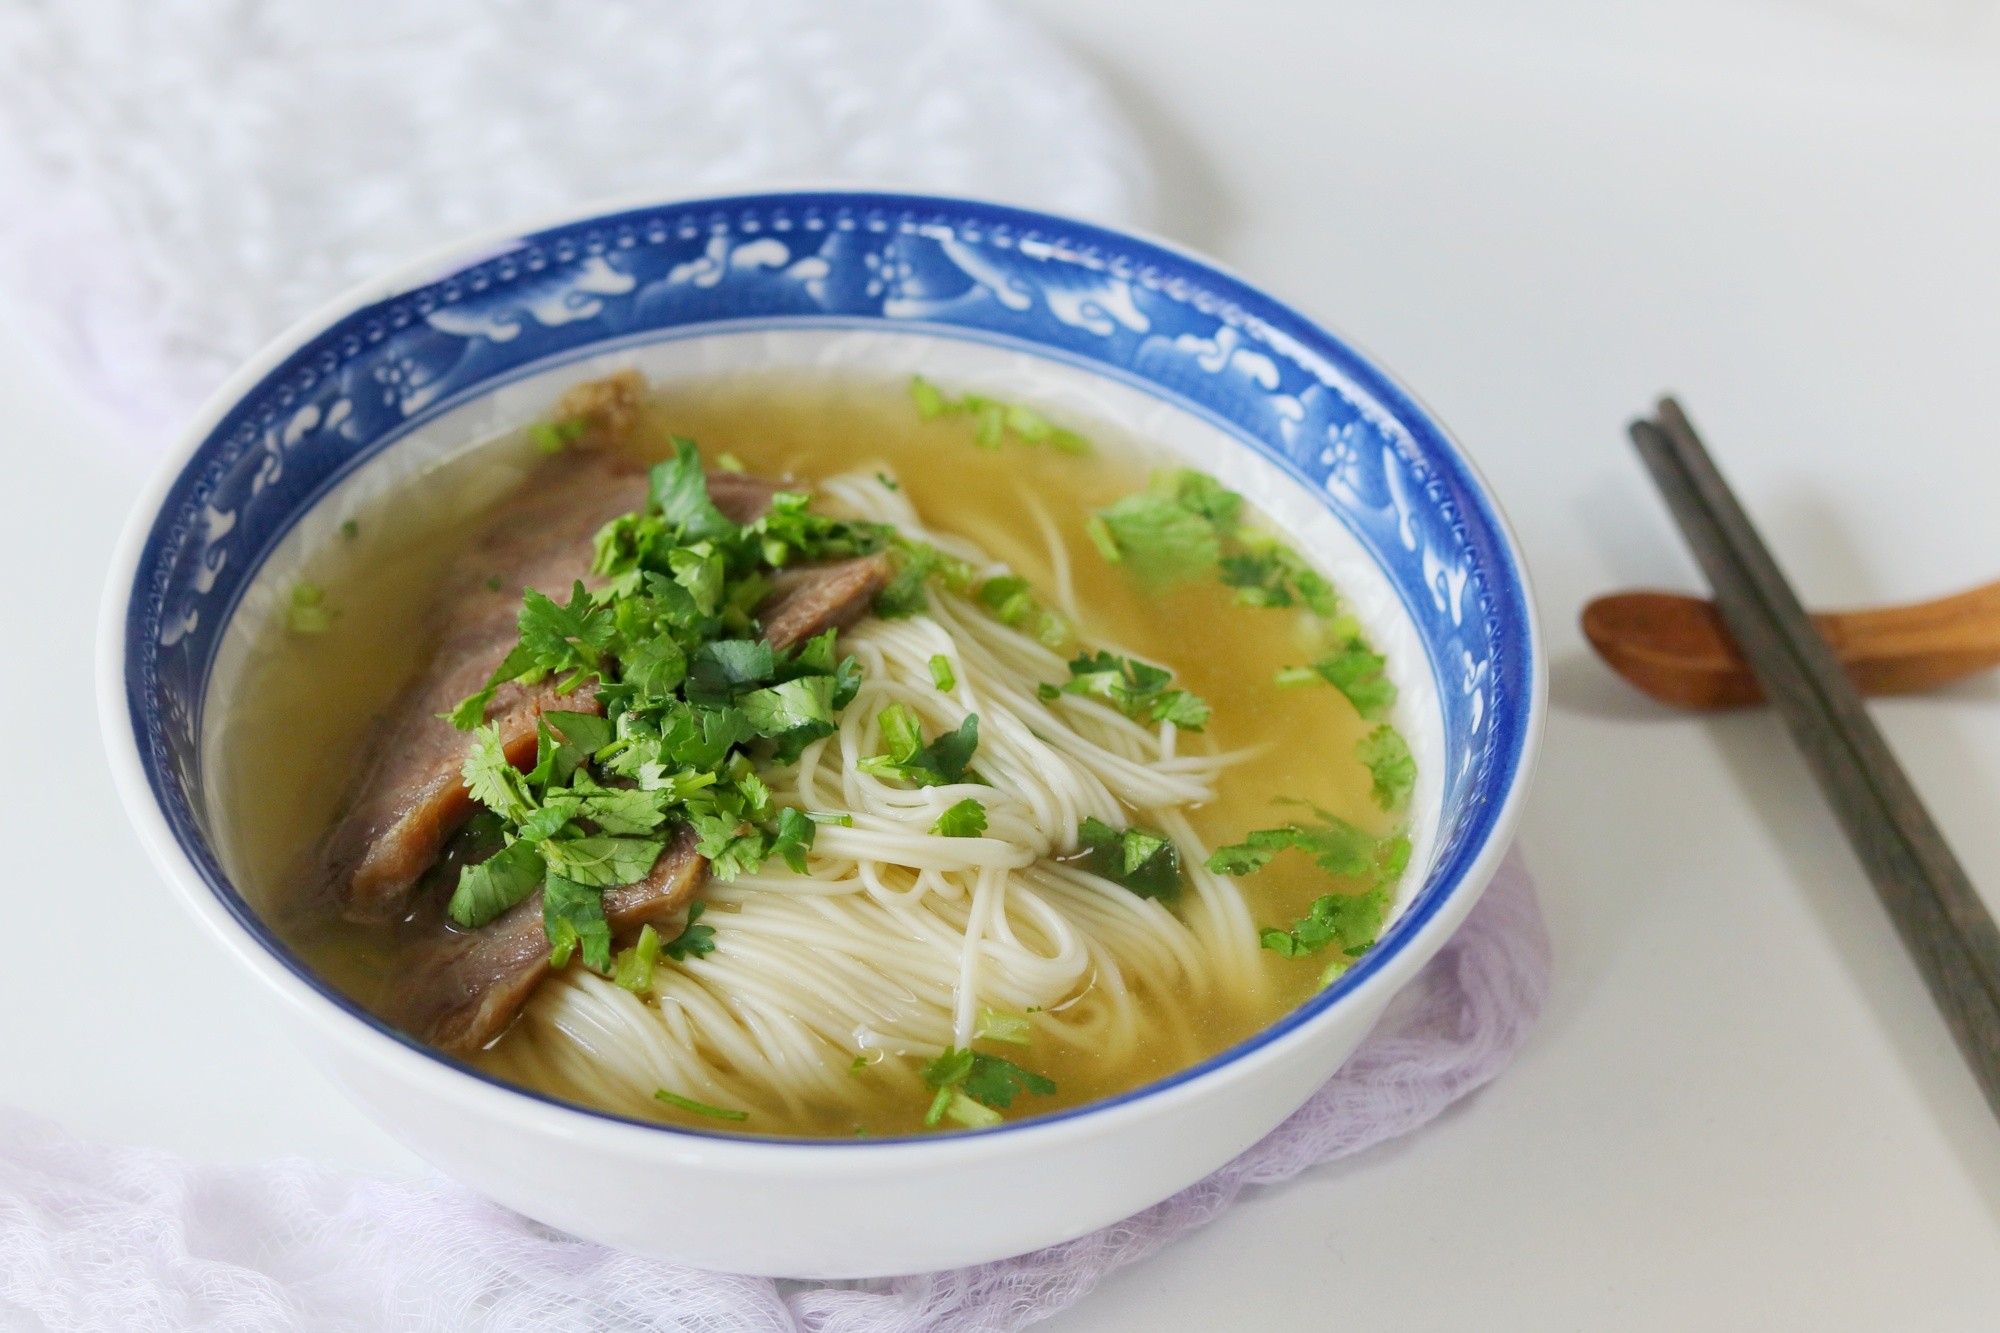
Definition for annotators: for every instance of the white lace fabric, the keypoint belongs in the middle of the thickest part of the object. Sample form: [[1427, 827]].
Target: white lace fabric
[[186, 178]]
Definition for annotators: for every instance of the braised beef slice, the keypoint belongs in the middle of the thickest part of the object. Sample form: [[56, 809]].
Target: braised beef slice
[[411, 797], [811, 599], [462, 988]]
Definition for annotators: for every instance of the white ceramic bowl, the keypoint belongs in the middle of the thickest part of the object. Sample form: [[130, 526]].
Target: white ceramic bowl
[[431, 361]]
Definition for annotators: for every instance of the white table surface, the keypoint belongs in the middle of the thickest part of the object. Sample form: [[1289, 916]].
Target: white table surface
[[1740, 1110]]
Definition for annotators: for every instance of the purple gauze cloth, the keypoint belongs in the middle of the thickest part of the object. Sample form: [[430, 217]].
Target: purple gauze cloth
[[132, 1239]]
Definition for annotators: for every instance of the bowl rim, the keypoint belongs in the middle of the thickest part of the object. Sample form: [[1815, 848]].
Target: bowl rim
[[1375, 977]]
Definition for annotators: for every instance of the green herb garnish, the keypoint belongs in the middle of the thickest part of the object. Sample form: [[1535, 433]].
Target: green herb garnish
[[633, 968], [1139, 859], [906, 756], [1012, 601], [1137, 689], [966, 819], [1355, 670], [694, 941], [552, 437], [1011, 1028], [699, 1108], [993, 420], [942, 676], [1394, 771], [306, 611], [669, 651], [973, 1087]]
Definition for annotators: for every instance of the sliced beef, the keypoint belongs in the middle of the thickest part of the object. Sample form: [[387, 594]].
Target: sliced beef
[[462, 988], [412, 798], [811, 599], [741, 497]]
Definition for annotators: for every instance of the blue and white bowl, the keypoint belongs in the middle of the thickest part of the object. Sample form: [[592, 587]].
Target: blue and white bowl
[[1092, 322]]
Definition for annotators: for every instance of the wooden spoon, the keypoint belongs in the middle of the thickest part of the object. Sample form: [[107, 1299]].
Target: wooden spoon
[[1677, 649]]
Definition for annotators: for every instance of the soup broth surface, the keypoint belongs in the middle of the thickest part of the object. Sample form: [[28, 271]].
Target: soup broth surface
[[302, 719]]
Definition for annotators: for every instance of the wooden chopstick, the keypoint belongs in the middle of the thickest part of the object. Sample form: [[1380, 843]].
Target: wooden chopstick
[[1944, 925]]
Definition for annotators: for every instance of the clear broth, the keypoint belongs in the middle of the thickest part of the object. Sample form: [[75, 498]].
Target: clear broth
[[306, 702]]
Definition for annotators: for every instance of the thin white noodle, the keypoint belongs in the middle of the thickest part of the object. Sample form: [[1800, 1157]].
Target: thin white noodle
[[897, 940]]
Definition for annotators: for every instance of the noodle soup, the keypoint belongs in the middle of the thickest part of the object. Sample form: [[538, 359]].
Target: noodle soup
[[1008, 775]]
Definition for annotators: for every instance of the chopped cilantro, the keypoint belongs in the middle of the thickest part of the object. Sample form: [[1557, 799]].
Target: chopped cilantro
[[350, 529], [1012, 602], [1136, 689], [600, 861], [966, 819], [1353, 921], [573, 915], [699, 1108], [1387, 756], [1139, 859], [860, 1063], [994, 420], [796, 831], [1268, 573], [988, 1081], [694, 941], [942, 676], [493, 583], [486, 890], [1161, 542], [942, 762], [1339, 847], [552, 437], [1356, 671], [306, 611], [889, 483], [634, 966]]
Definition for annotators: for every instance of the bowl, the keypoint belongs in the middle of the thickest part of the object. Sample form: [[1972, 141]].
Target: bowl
[[401, 374]]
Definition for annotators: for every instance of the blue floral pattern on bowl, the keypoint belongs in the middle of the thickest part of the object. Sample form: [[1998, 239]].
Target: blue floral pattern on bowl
[[1149, 316]]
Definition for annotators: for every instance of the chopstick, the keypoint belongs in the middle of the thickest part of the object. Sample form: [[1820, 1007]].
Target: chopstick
[[1944, 926]]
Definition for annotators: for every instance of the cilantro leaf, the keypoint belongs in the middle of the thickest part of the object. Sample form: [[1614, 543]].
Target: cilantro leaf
[[966, 819], [694, 940], [621, 811], [471, 710], [1394, 771], [789, 707], [723, 668], [655, 665], [937, 764], [1136, 689], [1161, 542], [485, 891], [573, 915], [1139, 859], [679, 492], [1356, 671], [601, 861], [494, 782], [556, 637], [1337, 846], [1269, 573], [1351, 920], [796, 831], [988, 1080]]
